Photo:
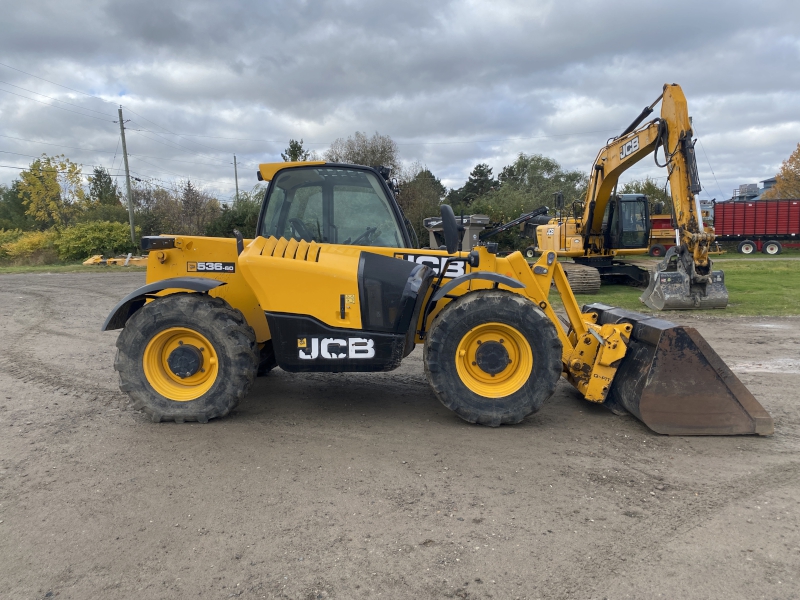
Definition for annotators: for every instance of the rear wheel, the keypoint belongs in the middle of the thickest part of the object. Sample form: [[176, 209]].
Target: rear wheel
[[772, 247], [746, 247], [658, 250], [530, 252], [186, 357], [492, 357]]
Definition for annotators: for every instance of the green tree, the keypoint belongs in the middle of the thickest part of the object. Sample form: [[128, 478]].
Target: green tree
[[421, 193], [295, 152], [242, 214], [103, 202], [527, 183], [13, 212], [379, 150], [103, 189], [198, 209], [655, 194], [479, 183], [52, 191], [787, 181]]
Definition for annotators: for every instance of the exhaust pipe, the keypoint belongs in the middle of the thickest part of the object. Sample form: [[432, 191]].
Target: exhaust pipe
[[673, 381]]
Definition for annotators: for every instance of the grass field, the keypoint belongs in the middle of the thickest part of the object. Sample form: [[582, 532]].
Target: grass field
[[756, 287]]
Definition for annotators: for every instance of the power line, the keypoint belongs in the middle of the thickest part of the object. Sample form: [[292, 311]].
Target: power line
[[54, 83], [176, 144], [51, 98], [54, 106], [167, 130], [56, 145]]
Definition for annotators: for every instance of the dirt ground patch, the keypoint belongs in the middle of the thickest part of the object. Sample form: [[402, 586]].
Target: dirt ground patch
[[364, 486]]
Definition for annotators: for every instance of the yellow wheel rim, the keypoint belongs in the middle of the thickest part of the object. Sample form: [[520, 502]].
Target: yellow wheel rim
[[505, 342], [161, 377]]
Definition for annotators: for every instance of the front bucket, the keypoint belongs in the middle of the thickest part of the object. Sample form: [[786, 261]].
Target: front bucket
[[674, 382]]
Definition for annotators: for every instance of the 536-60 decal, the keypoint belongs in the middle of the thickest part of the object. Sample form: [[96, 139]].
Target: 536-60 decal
[[211, 267]]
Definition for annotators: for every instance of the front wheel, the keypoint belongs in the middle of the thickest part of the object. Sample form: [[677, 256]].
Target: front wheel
[[186, 357], [530, 252], [658, 250], [492, 357]]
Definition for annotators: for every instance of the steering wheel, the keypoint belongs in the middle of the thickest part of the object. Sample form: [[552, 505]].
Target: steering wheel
[[300, 230], [365, 237]]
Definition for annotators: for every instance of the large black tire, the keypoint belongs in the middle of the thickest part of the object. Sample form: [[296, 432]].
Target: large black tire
[[657, 250], [468, 318], [156, 327], [530, 252]]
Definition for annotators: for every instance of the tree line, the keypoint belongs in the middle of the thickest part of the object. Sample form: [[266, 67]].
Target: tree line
[[52, 212]]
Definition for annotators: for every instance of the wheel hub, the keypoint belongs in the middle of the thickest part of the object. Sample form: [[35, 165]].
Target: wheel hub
[[185, 360], [492, 357]]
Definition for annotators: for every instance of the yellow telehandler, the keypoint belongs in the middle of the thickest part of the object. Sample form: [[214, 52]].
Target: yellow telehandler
[[332, 282]]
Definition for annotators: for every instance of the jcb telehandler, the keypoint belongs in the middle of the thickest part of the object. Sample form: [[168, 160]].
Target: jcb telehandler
[[332, 282]]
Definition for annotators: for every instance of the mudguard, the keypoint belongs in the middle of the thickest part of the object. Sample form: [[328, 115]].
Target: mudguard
[[495, 277], [136, 299]]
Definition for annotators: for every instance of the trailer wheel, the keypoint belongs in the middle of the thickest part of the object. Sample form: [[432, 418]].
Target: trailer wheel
[[772, 247], [186, 357], [746, 247], [657, 250], [492, 357], [530, 252]]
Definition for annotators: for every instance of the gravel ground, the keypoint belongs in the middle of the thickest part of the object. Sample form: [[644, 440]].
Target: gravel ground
[[364, 486]]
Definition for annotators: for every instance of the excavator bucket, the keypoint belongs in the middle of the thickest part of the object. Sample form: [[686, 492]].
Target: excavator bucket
[[674, 382], [671, 287]]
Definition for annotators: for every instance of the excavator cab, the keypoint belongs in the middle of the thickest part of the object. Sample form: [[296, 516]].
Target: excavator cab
[[626, 222]]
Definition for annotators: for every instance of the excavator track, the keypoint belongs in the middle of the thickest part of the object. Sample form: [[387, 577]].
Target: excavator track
[[582, 279]]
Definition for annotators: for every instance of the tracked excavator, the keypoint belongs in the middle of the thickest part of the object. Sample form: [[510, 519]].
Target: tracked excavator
[[613, 226], [332, 282]]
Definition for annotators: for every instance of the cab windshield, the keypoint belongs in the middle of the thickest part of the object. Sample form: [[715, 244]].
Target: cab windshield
[[334, 205]]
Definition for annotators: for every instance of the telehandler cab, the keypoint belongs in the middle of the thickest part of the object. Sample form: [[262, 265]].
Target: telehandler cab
[[332, 282]]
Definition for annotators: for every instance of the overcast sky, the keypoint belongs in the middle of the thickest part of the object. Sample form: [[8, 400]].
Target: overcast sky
[[453, 83]]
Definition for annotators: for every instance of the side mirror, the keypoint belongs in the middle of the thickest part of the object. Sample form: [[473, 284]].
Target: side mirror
[[450, 229], [559, 198]]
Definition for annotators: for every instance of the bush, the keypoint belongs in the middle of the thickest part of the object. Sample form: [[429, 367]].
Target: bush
[[8, 236], [84, 240], [32, 247]]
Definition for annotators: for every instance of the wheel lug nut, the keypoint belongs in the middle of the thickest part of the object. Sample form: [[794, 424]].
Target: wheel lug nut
[[502, 341], [180, 343], [474, 363], [479, 342]]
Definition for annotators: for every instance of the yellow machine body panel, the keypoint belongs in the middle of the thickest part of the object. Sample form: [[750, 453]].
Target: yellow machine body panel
[[209, 257]]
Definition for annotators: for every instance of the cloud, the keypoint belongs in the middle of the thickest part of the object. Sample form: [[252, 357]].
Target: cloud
[[454, 83]]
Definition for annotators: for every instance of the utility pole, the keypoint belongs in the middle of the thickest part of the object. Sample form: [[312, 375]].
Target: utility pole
[[236, 176], [127, 176]]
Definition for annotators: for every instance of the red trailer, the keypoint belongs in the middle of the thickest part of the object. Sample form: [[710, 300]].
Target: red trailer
[[765, 225]]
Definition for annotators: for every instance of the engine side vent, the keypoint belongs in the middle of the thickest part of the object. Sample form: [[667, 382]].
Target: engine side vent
[[297, 250]]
